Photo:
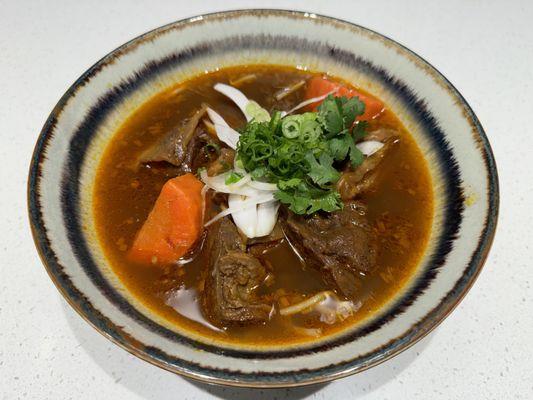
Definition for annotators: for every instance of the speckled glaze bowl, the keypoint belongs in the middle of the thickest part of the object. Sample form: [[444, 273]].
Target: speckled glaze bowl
[[80, 126]]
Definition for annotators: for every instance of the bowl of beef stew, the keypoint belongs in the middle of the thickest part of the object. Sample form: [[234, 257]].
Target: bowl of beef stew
[[263, 209]]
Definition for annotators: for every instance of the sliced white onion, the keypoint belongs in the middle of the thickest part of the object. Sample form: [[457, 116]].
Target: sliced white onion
[[235, 95], [267, 215], [253, 221], [252, 202], [245, 180], [245, 218], [250, 108], [369, 147], [203, 192], [218, 183], [263, 186], [307, 102], [224, 132]]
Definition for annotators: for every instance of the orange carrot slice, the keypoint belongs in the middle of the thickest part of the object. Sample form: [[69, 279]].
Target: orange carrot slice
[[173, 225], [320, 85]]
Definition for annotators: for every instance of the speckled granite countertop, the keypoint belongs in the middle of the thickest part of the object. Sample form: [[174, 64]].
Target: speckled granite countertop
[[482, 351]]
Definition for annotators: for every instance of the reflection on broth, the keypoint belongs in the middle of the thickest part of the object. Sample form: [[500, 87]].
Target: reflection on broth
[[185, 301], [289, 229]]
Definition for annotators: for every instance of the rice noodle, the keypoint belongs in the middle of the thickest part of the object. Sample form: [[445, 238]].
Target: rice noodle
[[288, 90], [327, 304], [307, 102], [243, 79], [306, 304]]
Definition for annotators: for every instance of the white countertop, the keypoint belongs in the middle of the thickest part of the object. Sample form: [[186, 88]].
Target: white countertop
[[482, 351]]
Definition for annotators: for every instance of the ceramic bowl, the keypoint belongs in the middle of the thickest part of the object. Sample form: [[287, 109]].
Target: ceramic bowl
[[451, 138]]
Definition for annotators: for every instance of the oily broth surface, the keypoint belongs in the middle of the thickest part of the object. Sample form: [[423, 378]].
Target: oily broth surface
[[400, 211]]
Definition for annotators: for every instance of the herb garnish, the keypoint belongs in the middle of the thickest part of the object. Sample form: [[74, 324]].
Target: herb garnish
[[299, 152], [233, 177]]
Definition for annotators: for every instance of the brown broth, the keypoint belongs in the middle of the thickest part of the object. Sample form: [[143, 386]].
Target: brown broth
[[400, 211]]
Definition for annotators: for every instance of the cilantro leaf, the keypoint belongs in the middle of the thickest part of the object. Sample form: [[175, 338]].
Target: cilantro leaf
[[304, 200], [328, 202], [356, 156], [339, 147], [359, 130], [322, 171], [351, 109], [331, 114], [344, 145], [338, 113], [289, 184]]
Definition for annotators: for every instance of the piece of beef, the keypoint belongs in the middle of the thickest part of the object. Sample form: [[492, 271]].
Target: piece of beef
[[222, 163], [197, 154], [340, 244], [233, 276], [364, 178], [173, 147], [258, 246]]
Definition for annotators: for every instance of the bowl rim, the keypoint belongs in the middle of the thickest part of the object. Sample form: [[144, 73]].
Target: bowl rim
[[444, 308]]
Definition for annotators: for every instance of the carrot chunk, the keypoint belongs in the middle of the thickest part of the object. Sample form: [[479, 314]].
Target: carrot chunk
[[173, 225], [320, 85]]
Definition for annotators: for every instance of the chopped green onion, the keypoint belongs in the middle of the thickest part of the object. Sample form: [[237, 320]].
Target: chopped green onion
[[290, 126], [233, 177], [300, 153]]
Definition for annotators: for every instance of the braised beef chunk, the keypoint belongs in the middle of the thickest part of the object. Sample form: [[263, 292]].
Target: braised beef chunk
[[233, 276], [223, 237], [198, 154], [173, 147], [366, 177], [340, 245], [222, 163], [233, 297], [260, 245]]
